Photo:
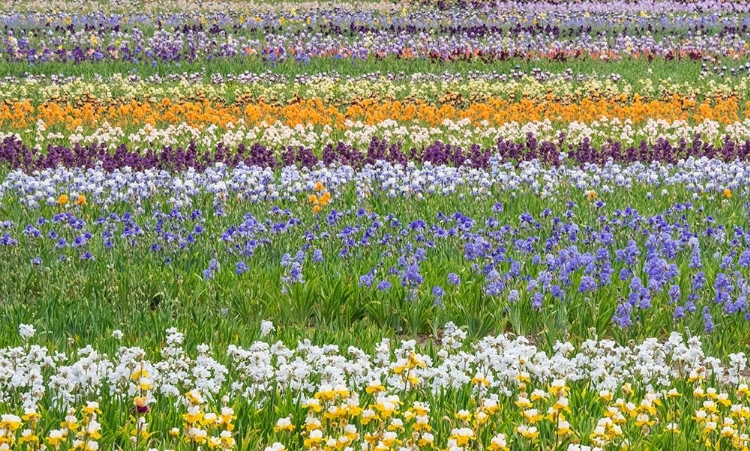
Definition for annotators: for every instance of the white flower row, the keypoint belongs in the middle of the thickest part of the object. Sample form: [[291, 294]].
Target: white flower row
[[32, 372], [464, 133], [254, 184]]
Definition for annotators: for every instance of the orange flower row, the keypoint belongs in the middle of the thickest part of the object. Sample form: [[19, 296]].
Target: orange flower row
[[21, 115]]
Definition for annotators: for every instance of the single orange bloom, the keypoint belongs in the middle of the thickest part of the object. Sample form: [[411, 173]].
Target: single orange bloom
[[62, 200], [591, 194], [81, 200], [319, 186], [727, 193], [312, 198], [316, 208]]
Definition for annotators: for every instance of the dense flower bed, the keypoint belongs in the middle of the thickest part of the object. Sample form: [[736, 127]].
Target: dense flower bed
[[15, 154], [534, 239], [501, 393], [482, 32]]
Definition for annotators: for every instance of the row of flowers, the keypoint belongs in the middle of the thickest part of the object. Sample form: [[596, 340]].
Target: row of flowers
[[14, 154], [451, 88], [500, 18], [381, 178], [603, 134], [494, 112], [664, 13], [486, 34], [166, 47], [86, 11], [499, 393]]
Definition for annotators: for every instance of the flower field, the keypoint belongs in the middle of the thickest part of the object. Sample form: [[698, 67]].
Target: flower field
[[437, 225]]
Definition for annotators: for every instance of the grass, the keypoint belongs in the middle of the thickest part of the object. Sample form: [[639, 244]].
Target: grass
[[631, 71]]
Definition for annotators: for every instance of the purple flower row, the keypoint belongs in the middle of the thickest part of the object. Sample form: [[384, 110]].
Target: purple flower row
[[17, 155], [458, 33], [689, 264], [174, 48]]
